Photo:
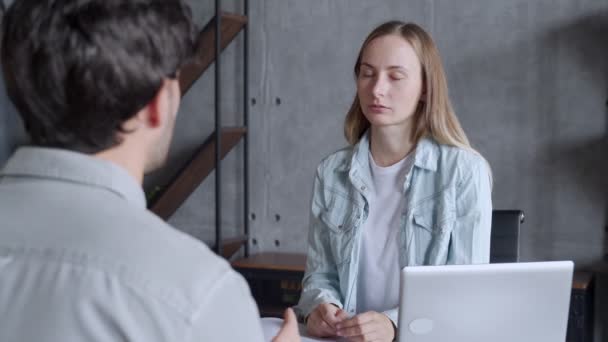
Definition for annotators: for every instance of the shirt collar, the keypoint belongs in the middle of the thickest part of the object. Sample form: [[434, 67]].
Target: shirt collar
[[427, 153], [69, 166], [425, 156]]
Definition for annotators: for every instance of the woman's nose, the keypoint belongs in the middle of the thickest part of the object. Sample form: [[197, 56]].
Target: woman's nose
[[380, 87]]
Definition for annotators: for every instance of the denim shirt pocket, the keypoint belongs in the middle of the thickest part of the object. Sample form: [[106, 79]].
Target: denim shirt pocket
[[341, 217], [433, 221], [425, 221]]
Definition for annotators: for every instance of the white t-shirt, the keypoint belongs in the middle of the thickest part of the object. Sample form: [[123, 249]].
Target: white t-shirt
[[378, 280]]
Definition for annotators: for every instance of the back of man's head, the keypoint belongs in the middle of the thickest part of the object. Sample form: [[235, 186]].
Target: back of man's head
[[77, 69]]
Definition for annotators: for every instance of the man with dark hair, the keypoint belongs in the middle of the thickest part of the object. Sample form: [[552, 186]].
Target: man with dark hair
[[81, 259]]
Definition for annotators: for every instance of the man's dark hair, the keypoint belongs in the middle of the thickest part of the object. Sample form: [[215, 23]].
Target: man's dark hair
[[78, 69]]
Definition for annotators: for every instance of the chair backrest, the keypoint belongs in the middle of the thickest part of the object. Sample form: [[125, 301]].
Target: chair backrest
[[504, 245]]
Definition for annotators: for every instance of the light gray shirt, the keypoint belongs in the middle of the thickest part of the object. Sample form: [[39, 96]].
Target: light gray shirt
[[81, 259]]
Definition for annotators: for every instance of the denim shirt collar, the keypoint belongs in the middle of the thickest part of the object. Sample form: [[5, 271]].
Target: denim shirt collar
[[425, 157], [69, 166]]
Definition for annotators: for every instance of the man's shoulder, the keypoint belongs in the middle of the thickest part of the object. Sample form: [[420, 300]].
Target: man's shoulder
[[128, 244], [176, 263]]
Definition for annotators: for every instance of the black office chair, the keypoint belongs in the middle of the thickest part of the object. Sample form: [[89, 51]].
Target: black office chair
[[504, 244]]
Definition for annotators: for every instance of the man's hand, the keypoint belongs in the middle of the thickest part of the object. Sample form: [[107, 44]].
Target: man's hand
[[322, 321], [289, 331], [368, 326]]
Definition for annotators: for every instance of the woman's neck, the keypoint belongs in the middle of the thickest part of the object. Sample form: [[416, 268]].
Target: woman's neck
[[390, 144]]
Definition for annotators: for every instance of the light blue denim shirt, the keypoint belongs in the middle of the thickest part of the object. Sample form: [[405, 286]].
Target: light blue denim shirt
[[446, 221]]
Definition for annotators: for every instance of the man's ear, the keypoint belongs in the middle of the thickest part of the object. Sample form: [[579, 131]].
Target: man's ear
[[157, 108]]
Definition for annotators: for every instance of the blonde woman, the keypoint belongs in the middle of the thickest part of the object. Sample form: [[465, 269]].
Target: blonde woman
[[409, 190]]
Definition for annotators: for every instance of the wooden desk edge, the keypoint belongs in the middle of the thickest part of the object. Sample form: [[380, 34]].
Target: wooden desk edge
[[294, 262]]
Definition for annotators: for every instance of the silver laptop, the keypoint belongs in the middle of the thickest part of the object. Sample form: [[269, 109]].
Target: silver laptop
[[480, 303]]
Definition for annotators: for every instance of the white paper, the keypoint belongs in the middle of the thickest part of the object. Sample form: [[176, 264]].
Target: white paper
[[271, 327]]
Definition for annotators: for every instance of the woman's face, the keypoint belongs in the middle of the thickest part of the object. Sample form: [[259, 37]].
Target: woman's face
[[389, 84]]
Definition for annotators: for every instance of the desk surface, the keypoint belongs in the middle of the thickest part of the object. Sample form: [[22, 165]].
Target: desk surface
[[271, 327], [581, 280], [295, 262]]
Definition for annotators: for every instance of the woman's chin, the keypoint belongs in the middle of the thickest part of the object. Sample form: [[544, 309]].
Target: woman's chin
[[381, 120]]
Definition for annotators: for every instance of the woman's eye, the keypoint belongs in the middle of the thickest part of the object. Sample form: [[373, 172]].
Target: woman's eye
[[397, 76]]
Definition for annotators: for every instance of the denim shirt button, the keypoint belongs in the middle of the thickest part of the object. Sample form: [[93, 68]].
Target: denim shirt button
[[363, 188]]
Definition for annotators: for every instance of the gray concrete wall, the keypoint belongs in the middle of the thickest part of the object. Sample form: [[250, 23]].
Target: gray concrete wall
[[528, 80]]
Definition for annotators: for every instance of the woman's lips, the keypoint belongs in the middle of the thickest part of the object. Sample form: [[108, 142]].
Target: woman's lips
[[377, 108]]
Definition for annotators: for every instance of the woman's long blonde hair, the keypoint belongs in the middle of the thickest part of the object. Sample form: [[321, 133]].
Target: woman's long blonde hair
[[434, 115]]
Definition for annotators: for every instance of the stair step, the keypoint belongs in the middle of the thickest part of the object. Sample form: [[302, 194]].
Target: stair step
[[169, 199], [231, 25]]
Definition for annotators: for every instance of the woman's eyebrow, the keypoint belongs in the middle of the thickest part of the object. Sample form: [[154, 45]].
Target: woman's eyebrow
[[392, 67], [368, 65]]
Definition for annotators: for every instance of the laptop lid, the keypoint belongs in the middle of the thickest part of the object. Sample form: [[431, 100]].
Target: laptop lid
[[491, 302]]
